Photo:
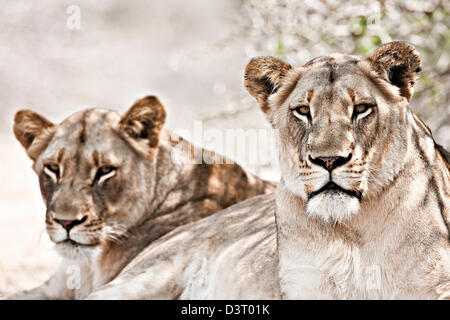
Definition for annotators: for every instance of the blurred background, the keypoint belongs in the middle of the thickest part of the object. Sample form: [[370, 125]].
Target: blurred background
[[59, 57]]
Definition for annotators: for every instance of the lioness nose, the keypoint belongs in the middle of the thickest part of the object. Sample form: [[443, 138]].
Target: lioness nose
[[330, 163], [69, 224]]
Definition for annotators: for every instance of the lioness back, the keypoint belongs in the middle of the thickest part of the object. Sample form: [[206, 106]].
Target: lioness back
[[197, 259]]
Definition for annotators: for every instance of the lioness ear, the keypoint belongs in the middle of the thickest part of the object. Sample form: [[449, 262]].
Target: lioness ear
[[398, 63], [144, 120], [28, 126], [263, 76]]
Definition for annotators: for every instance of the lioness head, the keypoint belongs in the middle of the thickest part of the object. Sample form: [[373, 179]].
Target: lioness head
[[340, 123], [86, 167]]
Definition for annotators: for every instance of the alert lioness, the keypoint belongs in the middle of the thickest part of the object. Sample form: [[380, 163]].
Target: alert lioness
[[361, 211], [114, 184]]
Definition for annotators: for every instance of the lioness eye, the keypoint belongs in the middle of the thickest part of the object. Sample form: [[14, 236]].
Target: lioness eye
[[104, 173], [52, 170], [360, 108], [302, 111], [106, 169]]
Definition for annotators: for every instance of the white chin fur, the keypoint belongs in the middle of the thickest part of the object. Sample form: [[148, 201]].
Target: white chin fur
[[72, 252], [332, 207]]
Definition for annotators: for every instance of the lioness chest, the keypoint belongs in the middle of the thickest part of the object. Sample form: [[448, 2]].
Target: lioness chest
[[335, 272], [342, 271]]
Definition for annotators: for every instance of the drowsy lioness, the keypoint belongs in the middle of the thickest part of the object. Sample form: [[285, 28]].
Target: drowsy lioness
[[114, 184], [361, 211]]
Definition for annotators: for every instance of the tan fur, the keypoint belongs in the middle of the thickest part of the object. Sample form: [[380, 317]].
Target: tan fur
[[399, 63], [143, 195], [263, 76], [392, 243], [33, 126]]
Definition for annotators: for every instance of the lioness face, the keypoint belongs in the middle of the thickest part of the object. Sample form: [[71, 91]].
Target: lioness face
[[325, 125], [81, 174], [333, 120], [85, 167]]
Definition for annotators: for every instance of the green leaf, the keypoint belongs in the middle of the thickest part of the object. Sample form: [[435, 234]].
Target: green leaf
[[280, 48]]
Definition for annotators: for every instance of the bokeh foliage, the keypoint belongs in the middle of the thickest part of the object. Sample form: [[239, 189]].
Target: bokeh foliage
[[300, 30]]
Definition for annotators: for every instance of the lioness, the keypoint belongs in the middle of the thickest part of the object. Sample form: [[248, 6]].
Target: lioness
[[114, 184], [361, 211]]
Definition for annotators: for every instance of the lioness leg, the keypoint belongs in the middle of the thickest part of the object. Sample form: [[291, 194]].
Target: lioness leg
[[164, 280]]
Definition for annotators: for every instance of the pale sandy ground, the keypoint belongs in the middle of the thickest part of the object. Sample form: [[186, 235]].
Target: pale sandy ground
[[26, 257], [186, 54]]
